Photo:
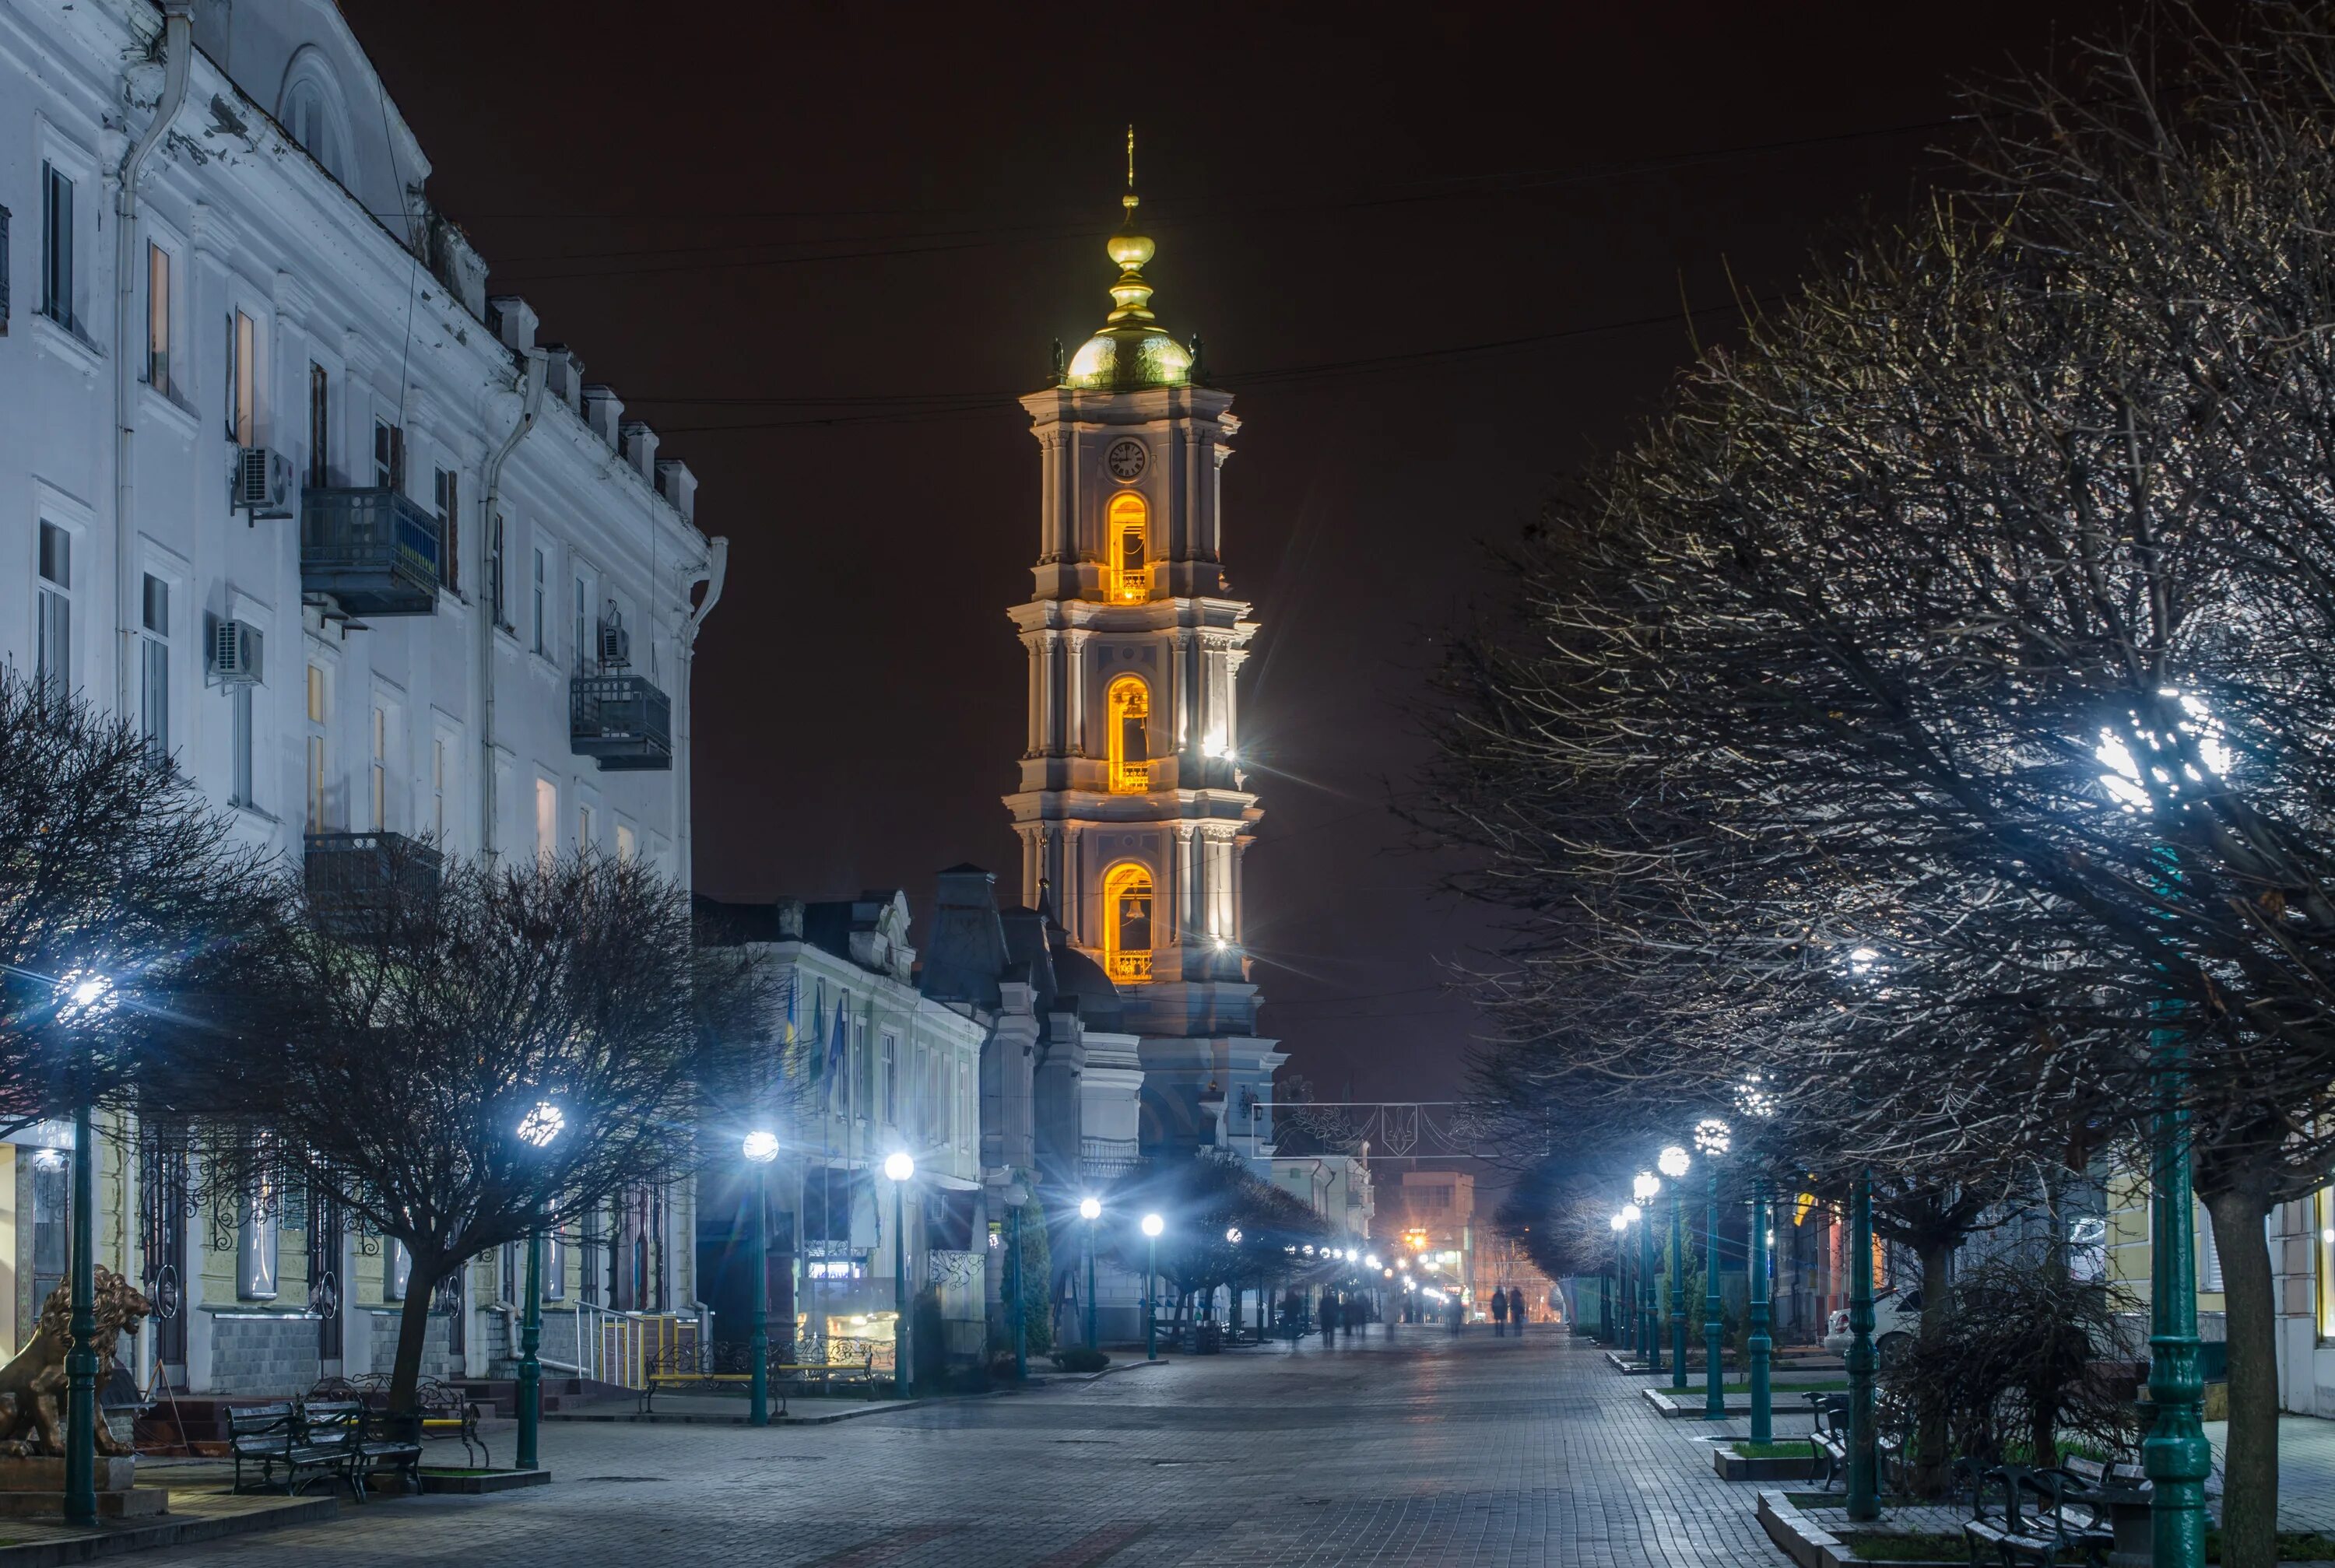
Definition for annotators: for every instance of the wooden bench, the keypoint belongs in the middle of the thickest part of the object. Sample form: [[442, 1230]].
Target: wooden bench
[[443, 1411], [2020, 1515], [301, 1443], [1829, 1437]]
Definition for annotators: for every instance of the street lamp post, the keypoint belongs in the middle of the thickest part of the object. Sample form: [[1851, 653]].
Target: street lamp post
[[1763, 1427], [1711, 1136], [1016, 1194], [1674, 1164], [537, 1129], [1646, 1187], [759, 1150], [1152, 1225], [2175, 1454], [1621, 1224], [1091, 1210], [900, 1167], [83, 996], [1864, 1490]]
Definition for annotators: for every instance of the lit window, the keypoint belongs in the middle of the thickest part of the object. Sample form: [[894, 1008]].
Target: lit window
[[317, 717], [380, 768], [547, 818], [628, 844], [1127, 935], [1129, 574], [242, 374], [53, 649], [158, 318], [1129, 703]]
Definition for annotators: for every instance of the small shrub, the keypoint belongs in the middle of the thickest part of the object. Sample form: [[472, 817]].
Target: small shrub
[[1082, 1358]]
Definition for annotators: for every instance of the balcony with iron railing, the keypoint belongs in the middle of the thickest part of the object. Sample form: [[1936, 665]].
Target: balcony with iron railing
[[1105, 1158], [375, 551], [354, 878], [621, 719], [1130, 968]]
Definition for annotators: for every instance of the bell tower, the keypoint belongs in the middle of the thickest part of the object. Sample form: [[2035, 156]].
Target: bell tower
[[1133, 809]]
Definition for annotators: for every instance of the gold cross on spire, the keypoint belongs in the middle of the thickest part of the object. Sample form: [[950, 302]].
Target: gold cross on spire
[[1131, 158]]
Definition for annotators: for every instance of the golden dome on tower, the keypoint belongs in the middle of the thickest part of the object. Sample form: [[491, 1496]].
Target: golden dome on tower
[[1132, 350]]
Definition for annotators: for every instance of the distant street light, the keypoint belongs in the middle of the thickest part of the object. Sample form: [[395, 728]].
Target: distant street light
[[760, 1147], [900, 1167], [1152, 1225]]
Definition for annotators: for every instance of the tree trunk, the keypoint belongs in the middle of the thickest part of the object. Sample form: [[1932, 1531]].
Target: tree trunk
[[1932, 1437], [412, 1333], [2249, 1479]]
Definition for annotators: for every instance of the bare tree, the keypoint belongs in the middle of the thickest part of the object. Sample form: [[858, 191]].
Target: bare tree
[[472, 1054]]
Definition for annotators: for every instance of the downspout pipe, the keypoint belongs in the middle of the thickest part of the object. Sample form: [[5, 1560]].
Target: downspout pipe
[[177, 57], [716, 569], [532, 382]]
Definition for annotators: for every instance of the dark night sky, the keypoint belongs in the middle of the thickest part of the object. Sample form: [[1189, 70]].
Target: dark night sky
[[1338, 190]]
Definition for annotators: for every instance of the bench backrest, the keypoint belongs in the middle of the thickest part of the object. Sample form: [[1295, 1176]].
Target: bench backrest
[[253, 1428], [332, 1423]]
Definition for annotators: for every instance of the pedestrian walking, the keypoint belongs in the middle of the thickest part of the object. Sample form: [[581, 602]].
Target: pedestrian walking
[[1329, 1315], [1499, 1311], [1516, 1308]]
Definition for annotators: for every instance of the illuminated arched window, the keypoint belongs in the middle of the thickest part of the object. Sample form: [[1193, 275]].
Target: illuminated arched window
[[1127, 931], [1129, 577], [1129, 703]]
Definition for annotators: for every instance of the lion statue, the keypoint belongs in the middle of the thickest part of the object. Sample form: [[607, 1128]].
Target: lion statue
[[33, 1382]]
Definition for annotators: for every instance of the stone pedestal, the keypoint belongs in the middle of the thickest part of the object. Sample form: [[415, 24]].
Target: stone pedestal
[[35, 1489]]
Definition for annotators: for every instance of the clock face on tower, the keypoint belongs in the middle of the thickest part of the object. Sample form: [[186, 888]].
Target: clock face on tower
[[1125, 460]]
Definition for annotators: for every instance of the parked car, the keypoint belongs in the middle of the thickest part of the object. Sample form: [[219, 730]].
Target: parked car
[[1896, 1320]]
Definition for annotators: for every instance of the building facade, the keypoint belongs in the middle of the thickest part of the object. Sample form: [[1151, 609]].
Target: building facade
[[359, 554]]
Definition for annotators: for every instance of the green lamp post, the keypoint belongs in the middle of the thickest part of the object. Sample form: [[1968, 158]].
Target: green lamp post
[[2175, 1454], [1711, 1138], [1152, 1225], [1864, 1479], [1756, 1342], [1091, 1210], [1621, 1224], [537, 1129], [1016, 1196], [900, 1168], [760, 1147], [1646, 1187], [1673, 1163], [81, 1359]]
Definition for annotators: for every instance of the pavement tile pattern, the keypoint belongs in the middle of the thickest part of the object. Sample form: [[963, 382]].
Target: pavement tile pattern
[[1403, 1446]]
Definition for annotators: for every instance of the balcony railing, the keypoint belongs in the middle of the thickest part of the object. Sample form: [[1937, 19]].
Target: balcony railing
[[375, 551], [1130, 968], [622, 720], [354, 877], [1104, 1159], [1130, 777]]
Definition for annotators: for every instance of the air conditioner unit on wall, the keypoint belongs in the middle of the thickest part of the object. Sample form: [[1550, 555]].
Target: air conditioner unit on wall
[[615, 645], [235, 652], [260, 484]]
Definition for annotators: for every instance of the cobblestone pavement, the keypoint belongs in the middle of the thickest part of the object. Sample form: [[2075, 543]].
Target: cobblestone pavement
[[1414, 1449]]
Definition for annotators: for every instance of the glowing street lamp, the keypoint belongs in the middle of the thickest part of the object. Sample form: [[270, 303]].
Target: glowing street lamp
[[538, 1129], [1673, 1163], [899, 1168], [1712, 1138], [1152, 1225], [760, 1147], [1091, 1210]]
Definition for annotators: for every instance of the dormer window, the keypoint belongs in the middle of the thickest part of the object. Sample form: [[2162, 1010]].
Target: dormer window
[[1129, 577], [310, 114]]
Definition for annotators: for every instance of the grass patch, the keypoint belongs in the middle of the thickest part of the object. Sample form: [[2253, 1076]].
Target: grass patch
[[1925, 1548], [1787, 1449], [2293, 1546], [437, 1470]]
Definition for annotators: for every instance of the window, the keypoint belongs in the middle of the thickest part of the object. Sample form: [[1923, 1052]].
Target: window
[[396, 1272], [57, 248], [547, 818], [380, 781], [628, 844], [239, 705], [1129, 703], [52, 1218], [154, 669], [4, 272], [1127, 933], [317, 713], [555, 1267], [438, 789], [891, 1079], [242, 368], [388, 456], [587, 830], [2209, 1253], [542, 622], [320, 426], [863, 1071], [1131, 575], [310, 125], [583, 647], [444, 494], [53, 649], [498, 604], [158, 318]]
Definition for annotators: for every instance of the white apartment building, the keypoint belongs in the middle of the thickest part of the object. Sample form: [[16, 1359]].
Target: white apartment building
[[361, 555]]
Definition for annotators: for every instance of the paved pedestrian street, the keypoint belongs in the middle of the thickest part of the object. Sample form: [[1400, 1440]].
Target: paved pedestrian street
[[1405, 1447]]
